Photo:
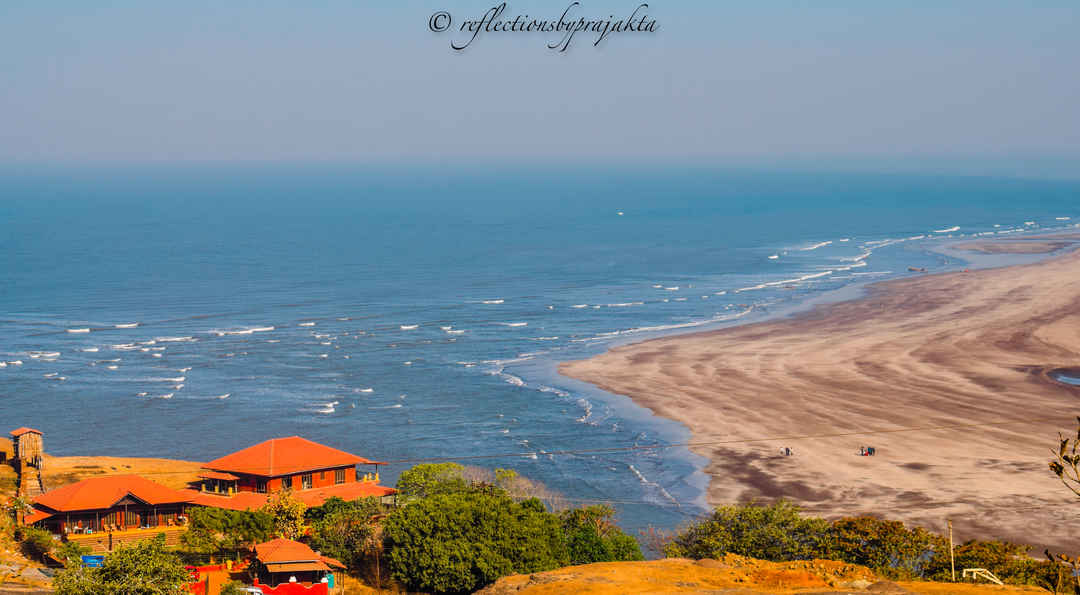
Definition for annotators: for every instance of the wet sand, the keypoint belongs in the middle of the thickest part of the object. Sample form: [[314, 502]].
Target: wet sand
[[1013, 247], [926, 351]]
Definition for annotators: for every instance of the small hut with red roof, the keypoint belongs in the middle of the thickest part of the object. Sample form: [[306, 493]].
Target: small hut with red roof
[[286, 562]]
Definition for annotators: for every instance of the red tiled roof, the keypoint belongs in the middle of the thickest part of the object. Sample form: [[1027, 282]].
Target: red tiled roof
[[217, 475], [281, 551], [345, 491], [238, 501], [24, 430], [296, 567], [331, 562], [102, 492], [284, 456], [311, 498], [37, 515]]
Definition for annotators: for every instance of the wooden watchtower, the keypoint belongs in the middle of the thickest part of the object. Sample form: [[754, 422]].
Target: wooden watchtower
[[27, 446], [28, 452]]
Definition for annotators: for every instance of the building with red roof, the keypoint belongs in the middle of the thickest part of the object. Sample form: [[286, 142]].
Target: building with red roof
[[287, 562], [314, 472], [108, 503]]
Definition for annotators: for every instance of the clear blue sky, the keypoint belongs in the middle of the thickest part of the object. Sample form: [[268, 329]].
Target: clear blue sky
[[830, 81]]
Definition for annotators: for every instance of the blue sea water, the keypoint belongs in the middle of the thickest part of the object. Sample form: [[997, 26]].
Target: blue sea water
[[413, 313]]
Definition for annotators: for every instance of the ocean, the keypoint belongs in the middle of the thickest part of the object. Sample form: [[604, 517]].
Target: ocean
[[414, 313]]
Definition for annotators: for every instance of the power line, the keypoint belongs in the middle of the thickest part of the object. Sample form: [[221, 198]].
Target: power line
[[647, 447], [691, 444]]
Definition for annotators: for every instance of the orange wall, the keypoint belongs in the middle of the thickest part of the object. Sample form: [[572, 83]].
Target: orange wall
[[319, 479]]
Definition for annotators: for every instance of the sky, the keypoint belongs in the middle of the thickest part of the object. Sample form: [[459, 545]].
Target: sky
[[985, 85]]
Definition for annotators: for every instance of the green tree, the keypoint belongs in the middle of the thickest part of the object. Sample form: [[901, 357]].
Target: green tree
[[146, 568], [345, 530], [592, 536], [774, 532], [18, 507], [71, 552], [429, 479], [214, 530], [887, 547], [460, 542], [287, 513]]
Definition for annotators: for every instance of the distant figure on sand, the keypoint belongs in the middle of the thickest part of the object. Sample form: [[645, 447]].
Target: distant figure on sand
[[786, 451]]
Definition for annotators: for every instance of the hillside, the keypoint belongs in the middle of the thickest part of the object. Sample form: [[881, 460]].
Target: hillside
[[734, 575]]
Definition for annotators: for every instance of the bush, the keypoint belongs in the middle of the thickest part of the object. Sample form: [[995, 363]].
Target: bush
[[430, 479], [146, 568], [214, 530], [35, 542], [232, 588], [287, 514], [345, 530], [71, 553], [1008, 561], [887, 547], [775, 532], [460, 542], [592, 536]]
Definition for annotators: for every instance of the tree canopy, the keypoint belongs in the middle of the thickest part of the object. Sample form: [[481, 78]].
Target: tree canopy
[[460, 542], [773, 532], [146, 568], [212, 530]]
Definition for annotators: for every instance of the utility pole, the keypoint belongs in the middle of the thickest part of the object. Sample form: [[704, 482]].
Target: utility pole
[[952, 557]]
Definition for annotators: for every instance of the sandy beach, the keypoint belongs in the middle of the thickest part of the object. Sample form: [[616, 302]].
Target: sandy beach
[[926, 351]]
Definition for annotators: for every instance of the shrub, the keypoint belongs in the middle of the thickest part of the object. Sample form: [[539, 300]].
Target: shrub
[[213, 530], [430, 479], [35, 542], [146, 568], [1008, 561], [345, 530], [460, 542], [592, 536], [774, 532], [287, 513], [71, 552], [232, 588], [887, 547]]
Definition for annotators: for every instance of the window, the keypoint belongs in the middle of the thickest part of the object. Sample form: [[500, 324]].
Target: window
[[260, 486], [286, 483], [305, 481], [339, 476]]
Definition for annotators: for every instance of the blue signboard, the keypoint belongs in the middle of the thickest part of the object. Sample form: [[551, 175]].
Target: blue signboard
[[93, 561]]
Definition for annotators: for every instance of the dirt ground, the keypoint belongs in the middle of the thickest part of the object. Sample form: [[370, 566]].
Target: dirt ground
[[733, 575], [60, 471]]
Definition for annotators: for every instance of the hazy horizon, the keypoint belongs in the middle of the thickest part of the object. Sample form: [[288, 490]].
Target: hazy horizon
[[974, 88]]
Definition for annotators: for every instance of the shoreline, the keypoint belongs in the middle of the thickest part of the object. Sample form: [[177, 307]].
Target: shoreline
[[944, 349]]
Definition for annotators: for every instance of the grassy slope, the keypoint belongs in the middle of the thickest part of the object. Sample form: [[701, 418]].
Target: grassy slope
[[733, 574]]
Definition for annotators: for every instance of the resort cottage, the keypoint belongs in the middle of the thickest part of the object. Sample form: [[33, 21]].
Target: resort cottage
[[282, 565], [314, 472], [103, 512]]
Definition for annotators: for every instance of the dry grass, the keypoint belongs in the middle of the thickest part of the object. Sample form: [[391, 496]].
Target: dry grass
[[60, 471], [732, 574]]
